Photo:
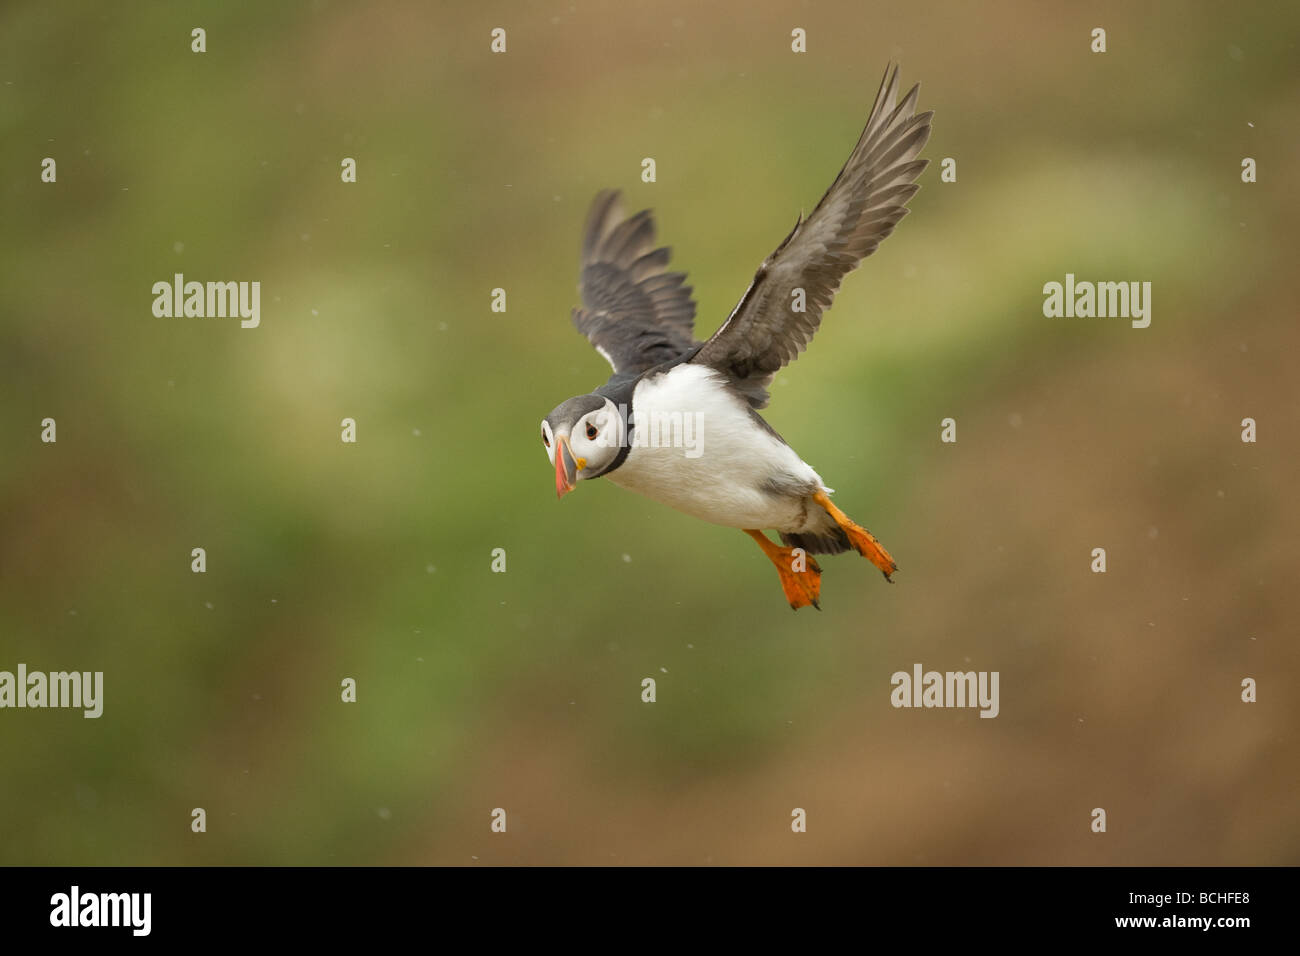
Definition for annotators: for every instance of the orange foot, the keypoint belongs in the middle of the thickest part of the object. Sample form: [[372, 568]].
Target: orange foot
[[863, 541], [801, 578]]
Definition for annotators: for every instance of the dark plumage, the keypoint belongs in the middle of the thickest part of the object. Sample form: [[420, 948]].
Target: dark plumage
[[862, 207], [634, 312]]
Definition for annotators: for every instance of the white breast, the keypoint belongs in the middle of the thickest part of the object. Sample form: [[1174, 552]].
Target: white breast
[[696, 448]]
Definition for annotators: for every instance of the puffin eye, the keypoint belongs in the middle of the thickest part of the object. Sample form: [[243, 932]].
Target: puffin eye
[[546, 441], [591, 431]]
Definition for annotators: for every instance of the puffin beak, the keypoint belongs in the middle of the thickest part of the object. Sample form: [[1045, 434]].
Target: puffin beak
[[566, 467]]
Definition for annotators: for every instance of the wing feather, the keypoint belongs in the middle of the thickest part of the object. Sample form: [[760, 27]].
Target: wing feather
[[634, 312]]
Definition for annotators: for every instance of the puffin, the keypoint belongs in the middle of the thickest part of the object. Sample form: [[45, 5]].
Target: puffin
[[678, 420]]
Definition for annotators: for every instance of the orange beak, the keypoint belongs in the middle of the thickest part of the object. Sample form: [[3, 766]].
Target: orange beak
[[566, 467]]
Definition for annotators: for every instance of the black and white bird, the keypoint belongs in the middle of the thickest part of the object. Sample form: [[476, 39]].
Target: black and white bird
[[678, 419]]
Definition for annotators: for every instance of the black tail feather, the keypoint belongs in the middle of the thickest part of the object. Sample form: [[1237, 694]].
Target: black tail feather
[[831, 541]]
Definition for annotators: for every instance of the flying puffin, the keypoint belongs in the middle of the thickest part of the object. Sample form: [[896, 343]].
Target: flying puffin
[[678, 419]]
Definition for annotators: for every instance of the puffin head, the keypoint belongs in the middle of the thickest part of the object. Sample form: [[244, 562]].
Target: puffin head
[[582, 438]]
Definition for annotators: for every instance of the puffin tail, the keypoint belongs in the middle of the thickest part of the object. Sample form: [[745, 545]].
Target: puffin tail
[[832, 540]]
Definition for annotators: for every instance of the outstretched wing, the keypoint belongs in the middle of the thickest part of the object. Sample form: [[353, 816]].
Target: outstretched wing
[[766, 331], [634, 312]]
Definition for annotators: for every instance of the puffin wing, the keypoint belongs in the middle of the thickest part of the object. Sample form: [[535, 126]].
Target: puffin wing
[[634, 312], [765, 332]]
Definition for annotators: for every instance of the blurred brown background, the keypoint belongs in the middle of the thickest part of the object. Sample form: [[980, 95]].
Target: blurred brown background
[[522, 690]]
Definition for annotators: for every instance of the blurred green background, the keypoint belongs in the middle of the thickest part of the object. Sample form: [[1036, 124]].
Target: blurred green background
[[522, 690]]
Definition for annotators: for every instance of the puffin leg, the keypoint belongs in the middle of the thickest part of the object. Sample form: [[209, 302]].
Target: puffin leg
[[801, 578], [863, 541]]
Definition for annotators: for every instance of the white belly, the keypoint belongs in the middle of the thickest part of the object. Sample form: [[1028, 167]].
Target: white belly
[[696, 448]]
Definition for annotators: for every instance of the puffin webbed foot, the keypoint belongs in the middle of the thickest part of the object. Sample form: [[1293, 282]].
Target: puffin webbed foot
[[863, 541], [801, 577]]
